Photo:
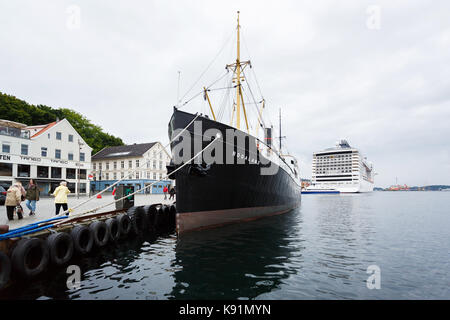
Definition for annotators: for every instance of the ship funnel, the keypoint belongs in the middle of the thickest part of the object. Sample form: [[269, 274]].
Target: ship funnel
[[268, 136]]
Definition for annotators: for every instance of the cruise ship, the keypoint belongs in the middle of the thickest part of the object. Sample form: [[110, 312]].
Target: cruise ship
[[342, 168]]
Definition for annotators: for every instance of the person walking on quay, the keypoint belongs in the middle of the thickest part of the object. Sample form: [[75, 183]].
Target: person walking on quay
[[31, 196], [165, 190], [172, 193], [60, 194], [13, 199]]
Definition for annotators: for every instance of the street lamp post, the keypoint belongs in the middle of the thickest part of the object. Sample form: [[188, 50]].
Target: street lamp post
[[78, 168]]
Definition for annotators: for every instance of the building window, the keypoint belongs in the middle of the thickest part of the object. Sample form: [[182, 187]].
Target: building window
[[154, 164], [71, 187], [83, 174], [71, 156], [122, 164], [115, 165], [115, 176], [130, 164], [137, 163], [70, 138], [58, 135], [42, 172], [6, 148], [100, 166], [57, 154], [106, 176], [6, 169], [82, 156], [107, 165], [93, 166], [148, 164], [24, 149], [56, 173], [71, 173], [154, 176], [122, 175], [43, 151], [137, 175], [160, 165], [82, 187]]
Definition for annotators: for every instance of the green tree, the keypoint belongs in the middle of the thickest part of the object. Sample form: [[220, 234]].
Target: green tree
[[17, 110]]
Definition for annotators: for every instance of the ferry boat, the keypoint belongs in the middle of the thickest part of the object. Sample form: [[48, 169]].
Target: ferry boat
[[342, 168], [247, 180]]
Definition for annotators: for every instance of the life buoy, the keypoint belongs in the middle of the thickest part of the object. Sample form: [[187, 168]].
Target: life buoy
[[5, 269], [83, 239], [124, 225], [113, 228], [100, 233], [60, 248], [138, 220], [30, 257]]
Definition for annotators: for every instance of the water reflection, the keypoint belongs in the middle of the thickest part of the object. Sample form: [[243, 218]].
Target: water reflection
[[237, 261]]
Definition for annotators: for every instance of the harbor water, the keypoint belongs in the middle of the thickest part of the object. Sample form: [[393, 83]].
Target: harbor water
[[322, 250]]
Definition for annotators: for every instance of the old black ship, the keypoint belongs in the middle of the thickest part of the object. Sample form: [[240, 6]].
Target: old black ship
[[246, 181]]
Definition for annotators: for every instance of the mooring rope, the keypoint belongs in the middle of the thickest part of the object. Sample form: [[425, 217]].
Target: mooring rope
[[218, 138], [129, 173]]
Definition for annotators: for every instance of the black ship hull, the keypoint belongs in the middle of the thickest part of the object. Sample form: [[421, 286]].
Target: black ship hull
[[209, 196]]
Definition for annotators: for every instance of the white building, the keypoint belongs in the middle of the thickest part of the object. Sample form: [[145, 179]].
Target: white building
[[145, 164], [48, 153]]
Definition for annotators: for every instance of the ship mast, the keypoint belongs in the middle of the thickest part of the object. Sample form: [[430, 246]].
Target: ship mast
[[237, 68]]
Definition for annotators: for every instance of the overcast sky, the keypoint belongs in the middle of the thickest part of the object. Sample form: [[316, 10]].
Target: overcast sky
[[374, 72]]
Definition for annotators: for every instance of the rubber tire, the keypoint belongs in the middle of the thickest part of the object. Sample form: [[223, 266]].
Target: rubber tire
[[160, 219], [96, 228], [113, 228], [138, 220], [166, 216], [81, 231], [124, 224], [22, 252], [172, 216], [54, 242], [151, 218], [5, 269]]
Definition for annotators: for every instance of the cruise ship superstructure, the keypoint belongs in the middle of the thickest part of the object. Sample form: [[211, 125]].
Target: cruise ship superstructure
[[341, 168]]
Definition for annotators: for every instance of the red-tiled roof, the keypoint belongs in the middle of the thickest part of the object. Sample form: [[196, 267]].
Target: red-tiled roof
[[44, 129]]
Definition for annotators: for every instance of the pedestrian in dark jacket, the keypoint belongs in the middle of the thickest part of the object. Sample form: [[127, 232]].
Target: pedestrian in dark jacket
[[32, 196], [172, 193]]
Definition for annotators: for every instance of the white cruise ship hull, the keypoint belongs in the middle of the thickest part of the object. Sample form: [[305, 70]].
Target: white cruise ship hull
[[363, 186]]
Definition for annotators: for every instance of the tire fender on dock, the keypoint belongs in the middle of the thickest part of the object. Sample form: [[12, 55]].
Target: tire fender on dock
[[100, 233], [60, 248], [172, 216], [151, 218], [5, 269], [138, 219], [113, 229], [30, 257], [124, 224], [83, 239]]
